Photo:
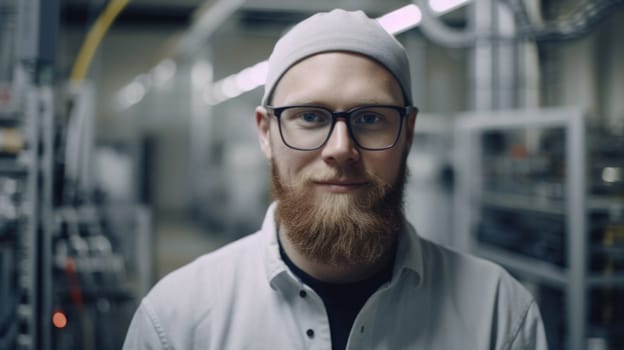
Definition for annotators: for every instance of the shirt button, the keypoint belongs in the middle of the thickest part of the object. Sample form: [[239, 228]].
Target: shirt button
[[310, 333], [303, 294], [362, 329]]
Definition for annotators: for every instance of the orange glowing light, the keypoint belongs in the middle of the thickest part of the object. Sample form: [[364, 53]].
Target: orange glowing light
[[59, 320]]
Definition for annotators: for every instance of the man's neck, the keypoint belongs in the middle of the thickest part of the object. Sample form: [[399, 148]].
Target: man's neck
[[332, 273]]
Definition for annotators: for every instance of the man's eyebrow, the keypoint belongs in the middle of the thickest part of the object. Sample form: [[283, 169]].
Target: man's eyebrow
[[309, 103], [375, 102]]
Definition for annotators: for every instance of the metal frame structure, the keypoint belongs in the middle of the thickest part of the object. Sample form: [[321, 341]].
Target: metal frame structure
[[574, 279]]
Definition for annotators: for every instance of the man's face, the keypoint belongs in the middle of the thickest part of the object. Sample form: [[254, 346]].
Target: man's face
[[335, 194]]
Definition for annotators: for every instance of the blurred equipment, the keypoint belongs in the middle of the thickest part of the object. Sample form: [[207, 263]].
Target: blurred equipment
[[537, 198], [429, 189], [72, 262], [100, 264], [28, 36]]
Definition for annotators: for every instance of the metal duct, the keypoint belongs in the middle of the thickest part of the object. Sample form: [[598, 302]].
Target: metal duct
[[578, 23], [581, 21]]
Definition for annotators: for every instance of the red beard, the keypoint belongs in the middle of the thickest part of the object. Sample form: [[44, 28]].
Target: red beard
[[340, 229]]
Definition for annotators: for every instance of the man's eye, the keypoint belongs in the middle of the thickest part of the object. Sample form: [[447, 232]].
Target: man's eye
[[368, 119], [313, 117], [310, 117]]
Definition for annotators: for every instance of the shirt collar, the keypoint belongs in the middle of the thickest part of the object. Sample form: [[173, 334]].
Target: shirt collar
[[276, 270], [408, 258]]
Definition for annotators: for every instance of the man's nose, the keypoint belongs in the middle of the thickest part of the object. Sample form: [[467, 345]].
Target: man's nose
[[340, 147]]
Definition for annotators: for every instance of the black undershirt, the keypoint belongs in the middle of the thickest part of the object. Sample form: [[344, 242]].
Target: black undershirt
[[343, 301]]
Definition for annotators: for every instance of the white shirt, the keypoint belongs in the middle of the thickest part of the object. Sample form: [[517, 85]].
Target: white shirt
[[243, 296]]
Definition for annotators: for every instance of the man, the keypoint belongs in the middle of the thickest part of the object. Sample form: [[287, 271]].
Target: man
[[335, 264]]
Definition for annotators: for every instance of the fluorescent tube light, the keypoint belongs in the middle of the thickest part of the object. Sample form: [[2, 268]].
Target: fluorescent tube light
[[402, 19], [443, 6]]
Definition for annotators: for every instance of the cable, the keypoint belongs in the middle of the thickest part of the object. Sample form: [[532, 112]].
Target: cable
[[77, 136], [74, 283], [94, 37]]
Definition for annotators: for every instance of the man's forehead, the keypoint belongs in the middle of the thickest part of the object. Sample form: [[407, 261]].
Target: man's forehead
[[324, 77]]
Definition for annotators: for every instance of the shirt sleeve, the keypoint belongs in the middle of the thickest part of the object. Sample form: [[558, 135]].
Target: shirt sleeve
[[531, 334], [145, 331]]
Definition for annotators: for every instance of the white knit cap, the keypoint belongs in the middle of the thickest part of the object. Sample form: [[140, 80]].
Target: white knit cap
[[338, 30]]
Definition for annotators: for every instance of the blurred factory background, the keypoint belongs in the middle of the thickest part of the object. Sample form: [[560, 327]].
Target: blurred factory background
[[128, 148]]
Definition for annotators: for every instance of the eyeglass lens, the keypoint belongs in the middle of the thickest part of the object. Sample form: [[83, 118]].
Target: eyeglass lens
[[309, 127]]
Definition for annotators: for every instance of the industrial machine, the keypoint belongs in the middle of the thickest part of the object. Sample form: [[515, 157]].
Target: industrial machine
[[71, 262], [541, 193]]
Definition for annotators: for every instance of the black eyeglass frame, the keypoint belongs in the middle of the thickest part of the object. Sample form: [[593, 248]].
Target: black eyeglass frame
[[403, 112]]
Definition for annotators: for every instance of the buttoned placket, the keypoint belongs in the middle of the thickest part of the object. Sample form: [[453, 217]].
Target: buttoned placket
[[360, 333], [313, 319]]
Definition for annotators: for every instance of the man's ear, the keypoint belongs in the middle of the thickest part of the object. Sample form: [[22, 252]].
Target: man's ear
[[410, 124], [263, 123]]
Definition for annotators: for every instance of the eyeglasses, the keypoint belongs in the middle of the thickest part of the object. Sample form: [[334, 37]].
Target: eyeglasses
[[372, 127]]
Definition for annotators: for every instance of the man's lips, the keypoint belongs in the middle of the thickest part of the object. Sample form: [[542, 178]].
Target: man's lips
[[340, 186]]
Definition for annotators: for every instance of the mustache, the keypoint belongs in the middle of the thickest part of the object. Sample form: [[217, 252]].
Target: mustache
[[339, 174]]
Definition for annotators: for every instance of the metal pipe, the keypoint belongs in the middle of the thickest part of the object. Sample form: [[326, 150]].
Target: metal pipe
[[210, 17], [443, 34]]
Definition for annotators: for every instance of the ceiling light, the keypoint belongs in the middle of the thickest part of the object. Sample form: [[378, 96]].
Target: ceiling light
[[443, 6], [402, 19], [164, 72]]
